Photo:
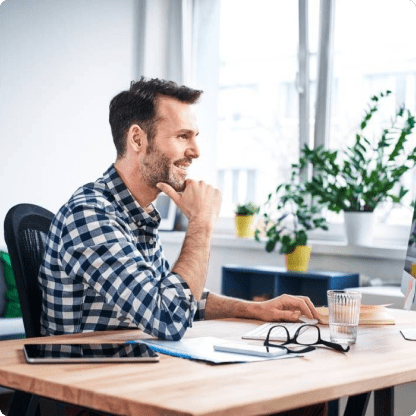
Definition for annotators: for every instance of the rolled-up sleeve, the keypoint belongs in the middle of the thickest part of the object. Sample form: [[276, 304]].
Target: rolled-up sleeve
[[200, 312], [97, 250]]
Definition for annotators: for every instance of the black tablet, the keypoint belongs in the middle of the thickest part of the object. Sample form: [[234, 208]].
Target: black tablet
[[88, 353]]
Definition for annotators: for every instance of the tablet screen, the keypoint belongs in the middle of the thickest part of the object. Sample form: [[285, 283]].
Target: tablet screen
[[49, 353]]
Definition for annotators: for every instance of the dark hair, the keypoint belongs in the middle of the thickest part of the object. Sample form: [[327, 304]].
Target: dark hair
[[138, 106]]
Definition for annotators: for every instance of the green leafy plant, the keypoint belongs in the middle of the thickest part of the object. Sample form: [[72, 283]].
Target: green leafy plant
[[289, 214], [366, 173], [246, 209]]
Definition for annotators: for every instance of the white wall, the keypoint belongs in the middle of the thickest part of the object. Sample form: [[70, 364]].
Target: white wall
[[61, 63]]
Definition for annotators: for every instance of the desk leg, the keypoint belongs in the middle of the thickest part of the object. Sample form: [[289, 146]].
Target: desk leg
[[60, 409], [357, 405], [384, 402], [24, 404], [333, 408]]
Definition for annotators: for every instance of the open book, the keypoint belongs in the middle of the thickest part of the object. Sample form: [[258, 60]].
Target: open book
[[369, 315]]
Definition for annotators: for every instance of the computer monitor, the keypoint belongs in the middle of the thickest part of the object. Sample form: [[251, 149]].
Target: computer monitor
[[167, 211], [408, 286]]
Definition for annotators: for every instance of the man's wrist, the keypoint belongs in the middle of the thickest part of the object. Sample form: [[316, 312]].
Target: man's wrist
[[248, 309], [200, 226]]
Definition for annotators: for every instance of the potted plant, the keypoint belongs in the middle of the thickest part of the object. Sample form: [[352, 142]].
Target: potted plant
[[288, 215], [244, 219], [358, 179]]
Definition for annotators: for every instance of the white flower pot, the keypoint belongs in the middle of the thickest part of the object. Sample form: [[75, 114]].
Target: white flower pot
[[359, 228]]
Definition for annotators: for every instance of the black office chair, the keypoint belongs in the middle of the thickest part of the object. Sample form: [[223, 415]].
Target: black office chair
[[25, 229]]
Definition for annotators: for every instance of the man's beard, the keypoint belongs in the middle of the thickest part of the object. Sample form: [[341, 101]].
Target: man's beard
[[157, 168]]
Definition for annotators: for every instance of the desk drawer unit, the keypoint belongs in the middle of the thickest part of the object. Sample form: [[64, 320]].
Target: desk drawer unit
[[246, 282]]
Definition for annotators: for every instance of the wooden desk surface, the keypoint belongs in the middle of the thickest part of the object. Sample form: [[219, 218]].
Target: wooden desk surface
[[174, 386]]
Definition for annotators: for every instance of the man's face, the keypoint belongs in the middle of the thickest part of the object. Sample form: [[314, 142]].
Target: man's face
[[173, 148]]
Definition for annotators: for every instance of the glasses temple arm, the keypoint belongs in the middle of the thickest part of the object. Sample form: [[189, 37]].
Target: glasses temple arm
[[337, 347]]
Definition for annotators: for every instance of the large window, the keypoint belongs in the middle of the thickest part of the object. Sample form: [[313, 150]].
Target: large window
[[373, 51], [259, 89], [259, 111], [258, 116]]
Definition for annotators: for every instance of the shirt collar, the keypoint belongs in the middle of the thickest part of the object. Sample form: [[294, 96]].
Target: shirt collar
[[127, 201]]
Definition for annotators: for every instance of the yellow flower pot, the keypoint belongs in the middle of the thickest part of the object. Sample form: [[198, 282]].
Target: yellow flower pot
[[298, 260], [244, 226]]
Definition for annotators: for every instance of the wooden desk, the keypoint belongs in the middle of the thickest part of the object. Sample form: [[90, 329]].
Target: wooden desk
[[174, 386]]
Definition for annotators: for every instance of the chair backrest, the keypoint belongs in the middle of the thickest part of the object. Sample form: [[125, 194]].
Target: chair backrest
[[25, 229]]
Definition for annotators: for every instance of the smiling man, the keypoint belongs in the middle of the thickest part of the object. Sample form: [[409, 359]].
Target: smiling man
[[104, 266]]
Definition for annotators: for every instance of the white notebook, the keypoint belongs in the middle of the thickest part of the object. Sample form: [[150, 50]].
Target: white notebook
[[203, 349], [261, 331]]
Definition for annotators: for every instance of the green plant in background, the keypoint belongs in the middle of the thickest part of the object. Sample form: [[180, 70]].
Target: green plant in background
[[247, 209], [366, 173], [289, 214], [13, 308]]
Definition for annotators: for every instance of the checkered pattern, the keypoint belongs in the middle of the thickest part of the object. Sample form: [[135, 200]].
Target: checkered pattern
[[104, 268]]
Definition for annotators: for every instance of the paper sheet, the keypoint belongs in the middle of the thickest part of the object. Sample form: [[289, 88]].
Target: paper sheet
[[203, 349]]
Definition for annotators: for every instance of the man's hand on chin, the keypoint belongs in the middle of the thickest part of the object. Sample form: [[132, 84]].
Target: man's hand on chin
[[199, 201]]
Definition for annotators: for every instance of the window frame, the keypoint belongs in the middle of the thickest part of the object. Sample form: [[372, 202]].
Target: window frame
[[385, 234]]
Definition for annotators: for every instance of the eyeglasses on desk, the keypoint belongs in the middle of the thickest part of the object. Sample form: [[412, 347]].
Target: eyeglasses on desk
[[306, 336]]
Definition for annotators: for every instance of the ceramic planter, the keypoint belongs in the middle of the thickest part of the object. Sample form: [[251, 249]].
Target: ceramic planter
[[359, 228], [244, 226], [298, 260]]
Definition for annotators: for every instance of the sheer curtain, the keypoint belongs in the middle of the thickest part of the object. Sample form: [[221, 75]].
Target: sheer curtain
[[166, 33], [324, 71]]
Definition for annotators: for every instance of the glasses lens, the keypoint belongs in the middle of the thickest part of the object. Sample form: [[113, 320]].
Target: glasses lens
[[308, 335], [278, 335]]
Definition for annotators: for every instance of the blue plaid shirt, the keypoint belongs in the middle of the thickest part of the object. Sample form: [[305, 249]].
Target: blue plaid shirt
[[104, 268]]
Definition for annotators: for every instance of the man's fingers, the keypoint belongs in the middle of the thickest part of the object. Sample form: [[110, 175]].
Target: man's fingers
[[301, 304], [170, 192], [288, 316], [311, 307]]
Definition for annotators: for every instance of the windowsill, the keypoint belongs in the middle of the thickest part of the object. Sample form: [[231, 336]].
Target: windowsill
[[334, 248]]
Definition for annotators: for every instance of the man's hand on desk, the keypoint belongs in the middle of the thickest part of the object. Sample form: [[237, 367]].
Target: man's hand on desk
[[286, 308], [283, 308]]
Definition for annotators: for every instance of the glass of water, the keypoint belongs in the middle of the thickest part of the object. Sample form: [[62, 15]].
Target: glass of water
[[344, 315]]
